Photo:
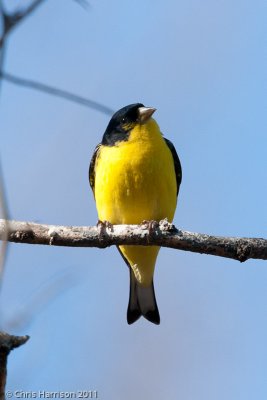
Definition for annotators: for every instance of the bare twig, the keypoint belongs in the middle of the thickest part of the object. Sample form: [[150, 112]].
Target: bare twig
[[4, 213], [83, 3], [2, 60], [2, 42], [12, 20], [9, 22], [56, 92], [2, 23], [7, 343], [163, 234]]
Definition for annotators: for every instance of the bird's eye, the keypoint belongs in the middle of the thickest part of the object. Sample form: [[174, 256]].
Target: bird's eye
[[123, 120]]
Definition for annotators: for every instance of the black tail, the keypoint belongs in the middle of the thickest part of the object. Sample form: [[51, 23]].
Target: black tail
[[142, 301]]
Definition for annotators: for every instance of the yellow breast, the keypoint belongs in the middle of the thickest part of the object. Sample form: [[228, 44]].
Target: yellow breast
[[135, 179]]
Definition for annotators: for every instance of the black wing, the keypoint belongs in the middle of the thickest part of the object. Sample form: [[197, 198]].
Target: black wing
[[92, 168], [177, 164]]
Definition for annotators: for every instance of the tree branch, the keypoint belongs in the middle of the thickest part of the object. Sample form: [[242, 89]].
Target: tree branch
[[12, 20], [4, 214], [83, 3], [163, 234], [56, 92], [7, 343]]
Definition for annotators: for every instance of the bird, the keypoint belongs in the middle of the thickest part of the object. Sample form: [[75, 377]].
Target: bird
[[135, 175]]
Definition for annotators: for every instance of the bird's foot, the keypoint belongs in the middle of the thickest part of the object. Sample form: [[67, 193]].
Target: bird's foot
[[150, 226], [102, 227]]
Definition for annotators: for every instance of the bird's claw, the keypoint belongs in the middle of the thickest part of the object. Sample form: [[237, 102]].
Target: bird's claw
[[150, 226], [103, 226]]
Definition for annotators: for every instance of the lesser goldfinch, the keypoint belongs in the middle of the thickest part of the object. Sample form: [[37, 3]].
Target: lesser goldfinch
[[135, 175]]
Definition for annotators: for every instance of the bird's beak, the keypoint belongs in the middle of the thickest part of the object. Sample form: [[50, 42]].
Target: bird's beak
[[144, 113]]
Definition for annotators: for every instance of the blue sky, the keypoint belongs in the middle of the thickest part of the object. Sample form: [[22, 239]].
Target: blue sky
[[203, 66]]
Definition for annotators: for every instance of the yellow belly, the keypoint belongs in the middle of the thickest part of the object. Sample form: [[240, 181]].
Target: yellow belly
[[135, 181]]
